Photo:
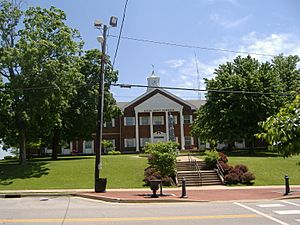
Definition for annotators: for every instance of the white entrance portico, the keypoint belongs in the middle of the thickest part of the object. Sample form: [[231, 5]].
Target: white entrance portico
[[154, 104]]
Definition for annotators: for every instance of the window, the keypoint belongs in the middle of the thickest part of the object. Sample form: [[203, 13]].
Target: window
[[144, 120], [188, 140], [144, 141], [187, 119], [129, 121], [88, 144], [110, 124], [158, 120], [129, 142]]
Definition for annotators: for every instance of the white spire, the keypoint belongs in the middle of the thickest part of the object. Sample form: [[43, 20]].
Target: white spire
[[153, 80]]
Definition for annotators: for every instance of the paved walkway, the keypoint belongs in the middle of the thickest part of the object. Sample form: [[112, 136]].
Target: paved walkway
[[194, 194], [200, 194]]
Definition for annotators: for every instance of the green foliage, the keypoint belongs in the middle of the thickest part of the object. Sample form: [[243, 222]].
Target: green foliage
[[282, 131], [113, 152], [211, 158], [230, 116], [107, 144], [162, 157]]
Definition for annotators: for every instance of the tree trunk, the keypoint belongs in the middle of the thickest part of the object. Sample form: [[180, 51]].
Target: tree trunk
[[22, 145], [252, 147], [231, 145], [55, 143]]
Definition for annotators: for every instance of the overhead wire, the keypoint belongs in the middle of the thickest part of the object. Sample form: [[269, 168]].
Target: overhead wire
[[161, 87], [190, 46], [121, 29]]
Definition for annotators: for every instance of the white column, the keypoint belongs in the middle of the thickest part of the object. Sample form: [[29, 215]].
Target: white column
[[167, 126], [181, 130], [151, 127], [137, 131]]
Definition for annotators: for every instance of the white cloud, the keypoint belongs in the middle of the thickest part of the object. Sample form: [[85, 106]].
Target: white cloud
[[185, 75], [175, 63], [226, 23]]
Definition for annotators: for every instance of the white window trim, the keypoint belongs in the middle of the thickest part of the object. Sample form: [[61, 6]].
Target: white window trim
[[190, 119], [162, 117], [143, 141], [125, 123], [192, 140], [113, 123], [125, 143], [142, 120]]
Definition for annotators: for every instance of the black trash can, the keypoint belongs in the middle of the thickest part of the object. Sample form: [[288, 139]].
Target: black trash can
[[100, 185]]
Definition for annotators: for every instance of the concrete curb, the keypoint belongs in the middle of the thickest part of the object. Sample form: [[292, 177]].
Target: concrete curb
[[120, 200], [35, 194]]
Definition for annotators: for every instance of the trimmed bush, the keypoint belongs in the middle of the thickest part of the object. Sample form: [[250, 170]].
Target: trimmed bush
[[247, 178], [211, 159], [242, 167], [226, 168], [113, 152], [222, 157], [232, 178]]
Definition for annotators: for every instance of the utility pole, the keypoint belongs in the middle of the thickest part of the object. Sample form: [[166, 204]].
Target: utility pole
[[100, 183], [100, 114]]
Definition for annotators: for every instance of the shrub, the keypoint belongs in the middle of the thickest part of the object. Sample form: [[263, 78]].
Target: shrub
[[113, 152], [226, 168], [152, 174], [232, 178], [242, 167], [211, 159], [9, 157], [162, 157], [223, 157], [247, 177]]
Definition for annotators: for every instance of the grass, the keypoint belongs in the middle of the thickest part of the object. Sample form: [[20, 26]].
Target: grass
[[127, 171], [269, 168], [122, 171]]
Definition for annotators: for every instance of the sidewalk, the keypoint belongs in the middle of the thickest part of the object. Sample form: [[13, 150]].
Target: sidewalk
[[194, 194]]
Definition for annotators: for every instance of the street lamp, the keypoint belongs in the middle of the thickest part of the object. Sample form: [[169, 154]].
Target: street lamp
[[100, 183]]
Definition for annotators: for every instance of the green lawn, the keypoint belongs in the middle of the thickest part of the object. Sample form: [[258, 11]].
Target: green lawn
[[124, 171], [268, 168]]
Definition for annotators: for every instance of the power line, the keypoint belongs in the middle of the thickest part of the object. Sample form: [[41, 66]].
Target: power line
[[162, 87], [190, 46], [202, 90], [121, 29]]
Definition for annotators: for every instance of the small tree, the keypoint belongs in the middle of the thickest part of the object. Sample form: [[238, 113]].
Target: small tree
[[162, 157]]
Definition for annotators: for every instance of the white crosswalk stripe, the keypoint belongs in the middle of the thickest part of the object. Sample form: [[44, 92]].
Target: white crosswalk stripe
[[287, 212], [270, 205]]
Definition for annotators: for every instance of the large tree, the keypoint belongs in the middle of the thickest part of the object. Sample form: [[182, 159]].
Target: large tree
[[229, 116], [80, 118], [282, 131], [40, 64]]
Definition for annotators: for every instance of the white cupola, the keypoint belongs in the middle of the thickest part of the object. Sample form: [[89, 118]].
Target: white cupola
[[153, 81]]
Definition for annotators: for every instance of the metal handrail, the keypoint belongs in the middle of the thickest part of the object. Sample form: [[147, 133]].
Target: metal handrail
[[198, 171], [220, 171], [193, 164]]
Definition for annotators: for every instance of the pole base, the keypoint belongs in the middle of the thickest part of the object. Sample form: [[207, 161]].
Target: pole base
[[100, 185]]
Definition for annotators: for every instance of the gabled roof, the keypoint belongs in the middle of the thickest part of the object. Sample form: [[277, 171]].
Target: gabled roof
[[124, 106]]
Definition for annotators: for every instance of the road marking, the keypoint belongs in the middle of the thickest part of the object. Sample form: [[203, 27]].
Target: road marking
[[72, 220], [287, 212], [270, 205], [262, 214], [291, 203]]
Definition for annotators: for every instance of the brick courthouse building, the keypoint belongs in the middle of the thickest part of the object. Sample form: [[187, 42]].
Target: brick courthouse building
[[157, 115]]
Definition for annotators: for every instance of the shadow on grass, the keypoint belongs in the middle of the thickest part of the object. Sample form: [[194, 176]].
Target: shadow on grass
[[11, 170], [246, 153], [61, 158]]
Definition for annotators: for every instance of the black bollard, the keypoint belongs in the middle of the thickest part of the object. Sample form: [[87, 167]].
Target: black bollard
[[183, 192], [161, 184], [287, 185]]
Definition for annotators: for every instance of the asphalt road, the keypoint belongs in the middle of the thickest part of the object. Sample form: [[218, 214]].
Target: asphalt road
[[73, 210]]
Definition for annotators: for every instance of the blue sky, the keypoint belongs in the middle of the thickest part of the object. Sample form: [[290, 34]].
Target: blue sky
[[268, 27]]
